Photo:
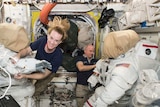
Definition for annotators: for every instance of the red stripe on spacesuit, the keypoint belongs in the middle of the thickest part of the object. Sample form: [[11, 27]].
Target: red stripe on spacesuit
[[123, 64], [89, 104], [150, 46]]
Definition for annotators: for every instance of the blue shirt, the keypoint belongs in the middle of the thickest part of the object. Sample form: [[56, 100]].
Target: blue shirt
[[55, 58], [82, 76]]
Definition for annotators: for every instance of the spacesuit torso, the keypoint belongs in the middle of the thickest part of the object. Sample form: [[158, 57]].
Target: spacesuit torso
[[106, 68], [118, 75], [120, 78]]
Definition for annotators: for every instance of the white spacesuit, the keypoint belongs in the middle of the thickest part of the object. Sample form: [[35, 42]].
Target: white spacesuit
[[118, 70], [146, 89], [13, 38], [21, 90]]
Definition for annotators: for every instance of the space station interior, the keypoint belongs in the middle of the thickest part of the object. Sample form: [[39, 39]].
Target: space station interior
[[90, 21]]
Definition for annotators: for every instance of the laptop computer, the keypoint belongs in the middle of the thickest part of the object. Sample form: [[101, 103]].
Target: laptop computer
[[8, 101]]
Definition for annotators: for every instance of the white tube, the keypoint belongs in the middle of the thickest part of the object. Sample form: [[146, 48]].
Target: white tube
[[64, 1], [100, 1], [9, 82], [82, 1]]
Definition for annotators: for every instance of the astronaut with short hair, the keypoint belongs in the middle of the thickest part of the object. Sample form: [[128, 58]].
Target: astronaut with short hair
[[118, 69]]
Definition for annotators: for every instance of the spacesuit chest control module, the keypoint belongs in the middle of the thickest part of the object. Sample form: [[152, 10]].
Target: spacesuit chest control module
[[123, 69]]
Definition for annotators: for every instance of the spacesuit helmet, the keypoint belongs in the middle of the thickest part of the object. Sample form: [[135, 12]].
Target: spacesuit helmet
[[119, 42]]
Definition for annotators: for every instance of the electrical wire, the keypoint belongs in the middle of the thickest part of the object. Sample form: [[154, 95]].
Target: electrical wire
[[1, 4], [2, 69], [9, 82]]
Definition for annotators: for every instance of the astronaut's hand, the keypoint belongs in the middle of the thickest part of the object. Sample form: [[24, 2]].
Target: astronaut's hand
[[19, 76]]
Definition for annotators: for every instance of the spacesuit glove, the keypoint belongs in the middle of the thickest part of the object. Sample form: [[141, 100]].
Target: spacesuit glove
[[100, 103], [43, 64], [92, 80], [90, 87]]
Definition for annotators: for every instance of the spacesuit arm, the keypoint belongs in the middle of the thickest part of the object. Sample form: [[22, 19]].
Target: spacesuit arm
[[93, 79], [36, 76], [122, 79]]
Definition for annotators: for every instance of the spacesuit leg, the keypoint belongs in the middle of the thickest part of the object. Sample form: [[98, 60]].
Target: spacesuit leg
[[92, 99]]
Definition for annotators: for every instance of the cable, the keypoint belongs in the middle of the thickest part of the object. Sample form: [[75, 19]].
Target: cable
[[1, 5], [9, 82]]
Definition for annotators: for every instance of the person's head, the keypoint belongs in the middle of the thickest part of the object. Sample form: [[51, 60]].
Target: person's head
[[89, 50], [56, 35]]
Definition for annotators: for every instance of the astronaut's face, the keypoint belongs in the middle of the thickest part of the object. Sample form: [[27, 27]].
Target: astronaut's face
[[54, 39], [89, 51]]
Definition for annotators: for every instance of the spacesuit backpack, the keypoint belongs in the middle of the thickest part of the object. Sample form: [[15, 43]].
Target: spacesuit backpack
[[148, 84]]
